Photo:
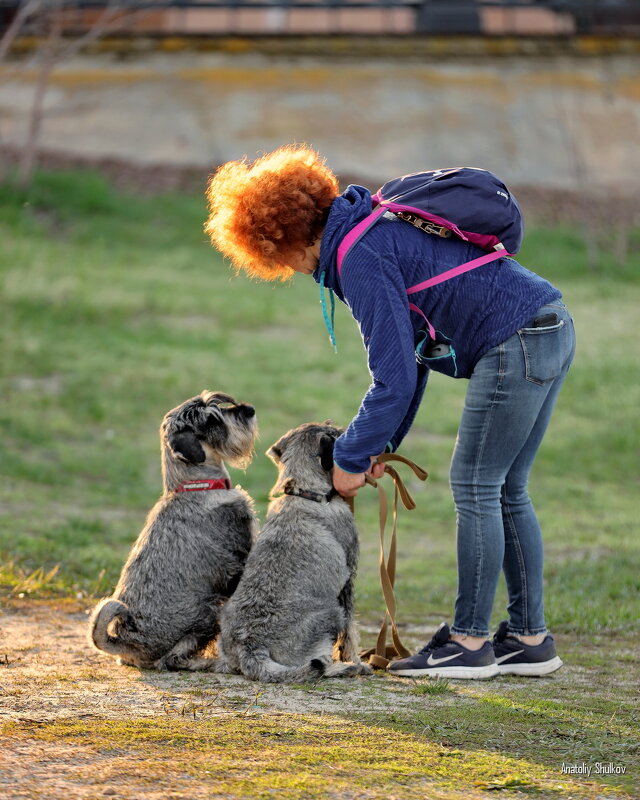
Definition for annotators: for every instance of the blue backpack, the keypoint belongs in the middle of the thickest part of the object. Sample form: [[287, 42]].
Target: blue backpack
[[472, 204]]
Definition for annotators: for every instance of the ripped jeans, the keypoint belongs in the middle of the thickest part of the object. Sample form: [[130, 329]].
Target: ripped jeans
[[508, 406]]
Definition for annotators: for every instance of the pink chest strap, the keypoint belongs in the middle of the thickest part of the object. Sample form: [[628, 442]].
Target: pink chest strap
[[445, 276], [362, 227]]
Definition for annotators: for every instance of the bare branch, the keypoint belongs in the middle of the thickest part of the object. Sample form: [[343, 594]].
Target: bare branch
[[114, 16], [55, 48], [27, 8], [50, 51]]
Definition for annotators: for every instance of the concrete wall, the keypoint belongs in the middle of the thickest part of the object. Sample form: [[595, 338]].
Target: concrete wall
[[553, 118]]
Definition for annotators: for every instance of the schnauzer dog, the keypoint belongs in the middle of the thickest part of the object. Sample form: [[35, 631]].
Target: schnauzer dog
[[293, 609], [191, 553]]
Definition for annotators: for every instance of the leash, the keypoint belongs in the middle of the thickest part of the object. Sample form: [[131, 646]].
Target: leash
[[380, 655]]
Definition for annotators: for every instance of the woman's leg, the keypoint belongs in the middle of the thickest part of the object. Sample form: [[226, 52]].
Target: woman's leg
[[507, 408], [523, 556]]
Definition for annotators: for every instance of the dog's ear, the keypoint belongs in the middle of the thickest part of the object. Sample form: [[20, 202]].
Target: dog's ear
[[187, 447], [326, 452], [277, 448]]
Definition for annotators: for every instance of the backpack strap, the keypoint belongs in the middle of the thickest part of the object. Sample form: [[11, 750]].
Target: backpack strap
[[445, 276], [431, 329], [355, 234], [459, 270]]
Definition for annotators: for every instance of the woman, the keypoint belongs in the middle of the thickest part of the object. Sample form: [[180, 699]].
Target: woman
[[502, 327]]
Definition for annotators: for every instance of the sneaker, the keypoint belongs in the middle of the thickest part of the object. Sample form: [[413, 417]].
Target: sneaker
[[442, 658], [514, 657]]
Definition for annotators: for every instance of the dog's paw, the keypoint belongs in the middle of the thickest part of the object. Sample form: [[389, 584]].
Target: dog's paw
[[341, 670], [202, 665], [172, 662], [350, 671]]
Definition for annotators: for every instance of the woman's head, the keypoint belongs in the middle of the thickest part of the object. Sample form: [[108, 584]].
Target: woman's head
[[263, 215]]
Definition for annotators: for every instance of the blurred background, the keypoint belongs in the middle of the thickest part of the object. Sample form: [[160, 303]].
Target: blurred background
[[544, 93], [114, 308]]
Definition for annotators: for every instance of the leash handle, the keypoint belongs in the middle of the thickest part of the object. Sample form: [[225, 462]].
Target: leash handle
[[387, 581], [407, 499], [382, 654], [419, 472]]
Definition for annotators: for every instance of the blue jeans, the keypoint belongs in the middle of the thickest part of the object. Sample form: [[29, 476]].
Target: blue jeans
[[508, 405]]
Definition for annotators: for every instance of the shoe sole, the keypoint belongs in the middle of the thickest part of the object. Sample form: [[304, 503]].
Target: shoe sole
[[463, 673], [531, 668]]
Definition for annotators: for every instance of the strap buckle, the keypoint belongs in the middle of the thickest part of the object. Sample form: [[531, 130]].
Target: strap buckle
[[425, 225]]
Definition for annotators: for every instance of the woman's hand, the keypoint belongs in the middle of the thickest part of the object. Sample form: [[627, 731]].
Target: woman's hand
[[347, 483], [375, 470]]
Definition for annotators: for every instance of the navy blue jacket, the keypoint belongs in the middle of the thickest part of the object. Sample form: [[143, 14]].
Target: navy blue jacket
[[474, 311]]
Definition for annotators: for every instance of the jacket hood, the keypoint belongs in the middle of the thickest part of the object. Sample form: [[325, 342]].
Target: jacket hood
[[353, 205]]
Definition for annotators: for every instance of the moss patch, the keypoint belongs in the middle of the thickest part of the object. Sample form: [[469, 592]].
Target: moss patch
[[295, 756]]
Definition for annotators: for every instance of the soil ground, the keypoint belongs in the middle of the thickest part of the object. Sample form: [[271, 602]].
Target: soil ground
[[74, 725]]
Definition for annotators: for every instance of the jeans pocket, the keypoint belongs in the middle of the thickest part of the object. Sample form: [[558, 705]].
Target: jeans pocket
[[544, 352]]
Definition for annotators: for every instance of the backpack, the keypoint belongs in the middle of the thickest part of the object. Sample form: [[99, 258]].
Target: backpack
[[472, 204]]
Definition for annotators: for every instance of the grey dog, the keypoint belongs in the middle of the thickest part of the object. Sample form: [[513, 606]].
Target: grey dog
[[293, 609], [190, 555]]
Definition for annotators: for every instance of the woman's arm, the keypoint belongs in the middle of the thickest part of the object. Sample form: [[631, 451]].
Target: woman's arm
[[374, 289], [421, 384]]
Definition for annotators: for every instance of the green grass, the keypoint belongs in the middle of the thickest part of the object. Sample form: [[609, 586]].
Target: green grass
[[115, 308], [298, 756]]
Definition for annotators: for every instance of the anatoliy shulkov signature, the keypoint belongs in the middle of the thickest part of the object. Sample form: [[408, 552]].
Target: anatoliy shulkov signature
[[599, 768]]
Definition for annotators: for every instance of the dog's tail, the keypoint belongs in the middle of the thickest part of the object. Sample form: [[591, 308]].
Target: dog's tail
[[259, 666], [108, 626]]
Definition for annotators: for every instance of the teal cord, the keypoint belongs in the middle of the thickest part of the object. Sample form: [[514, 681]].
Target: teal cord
[[328, 321], [453, 354], [332, 297], [455, 363]]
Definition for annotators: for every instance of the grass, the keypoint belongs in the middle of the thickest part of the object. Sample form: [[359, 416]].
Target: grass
[[436, 686], [298, 756], [115, 308], [197, 736]]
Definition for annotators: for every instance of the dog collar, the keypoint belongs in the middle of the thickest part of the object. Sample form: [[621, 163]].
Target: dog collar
[[307, 494], [200, 486]]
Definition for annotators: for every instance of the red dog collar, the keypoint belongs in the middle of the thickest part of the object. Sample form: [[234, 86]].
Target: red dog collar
[[200, 486]]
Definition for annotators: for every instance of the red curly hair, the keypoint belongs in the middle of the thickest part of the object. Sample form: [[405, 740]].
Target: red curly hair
[[263, 212]]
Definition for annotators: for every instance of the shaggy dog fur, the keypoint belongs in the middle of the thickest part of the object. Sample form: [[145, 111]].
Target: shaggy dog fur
[[293, 607], [189, 557]]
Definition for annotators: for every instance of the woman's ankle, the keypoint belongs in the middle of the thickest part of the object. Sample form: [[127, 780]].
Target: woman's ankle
[[470, 642], [532, 641]]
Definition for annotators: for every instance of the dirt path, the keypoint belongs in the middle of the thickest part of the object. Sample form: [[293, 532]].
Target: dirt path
[[75, 726], [49, 671]]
